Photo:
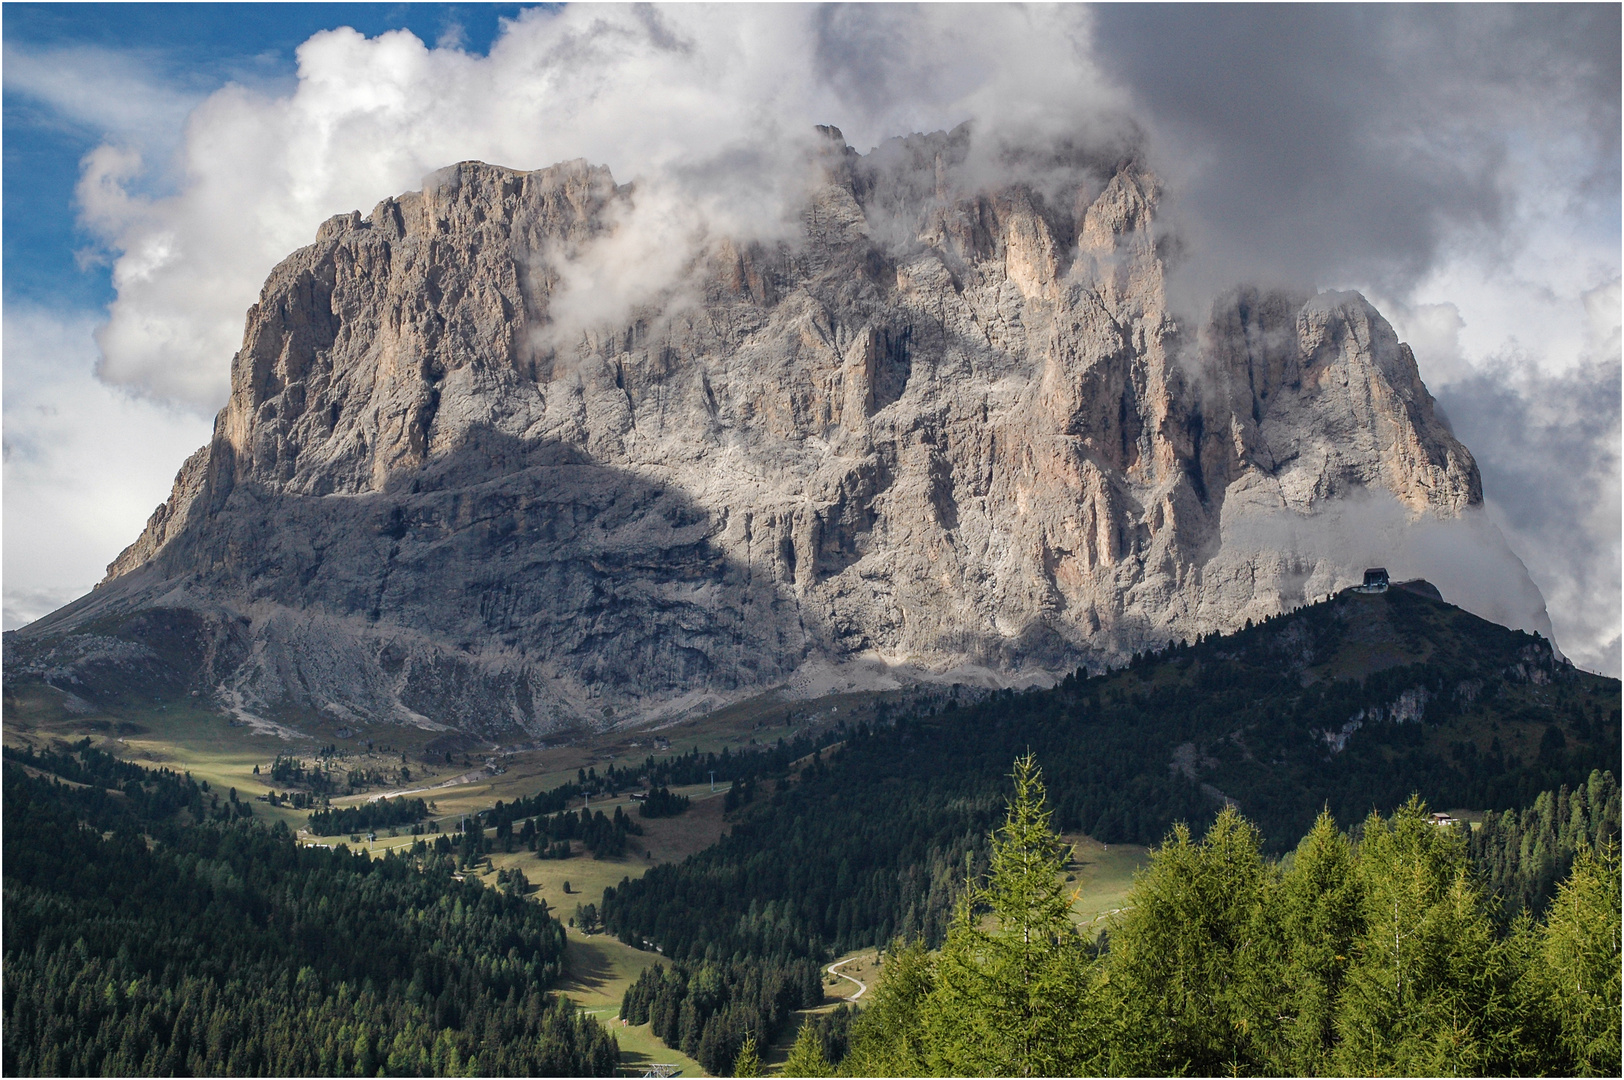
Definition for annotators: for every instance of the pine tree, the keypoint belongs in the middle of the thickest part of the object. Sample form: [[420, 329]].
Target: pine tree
[[1010, 999]]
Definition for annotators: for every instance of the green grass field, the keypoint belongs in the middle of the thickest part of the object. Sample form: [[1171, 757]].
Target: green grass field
[[1101, 875], [600, 971], [214, 747]]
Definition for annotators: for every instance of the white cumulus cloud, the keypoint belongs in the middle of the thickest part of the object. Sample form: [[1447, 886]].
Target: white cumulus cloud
[[1459, 165], [85, 463], [708, 110]]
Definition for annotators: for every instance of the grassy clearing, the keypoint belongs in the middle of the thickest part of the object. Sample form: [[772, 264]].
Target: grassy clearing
[[600, 969], [640, 1047], [1102, 875], [862, 965], [663, 840], [215, 747]]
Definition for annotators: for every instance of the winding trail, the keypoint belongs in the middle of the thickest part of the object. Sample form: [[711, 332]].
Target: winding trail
[[862, 987]]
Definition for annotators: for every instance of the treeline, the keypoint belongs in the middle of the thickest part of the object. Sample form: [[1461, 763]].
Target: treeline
[[694, 767], [855, 854], [317, 778], [320, 777], [537, 805], [661, 803], [117, 790], [604, 835], [706, 1010], [1372, 955], [865, 848], [1521, 856], [382, 814], [869, 842], [743, 769], [138, 942]]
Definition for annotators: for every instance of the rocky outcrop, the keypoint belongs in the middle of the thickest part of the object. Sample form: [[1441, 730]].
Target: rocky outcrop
[[949, 431]]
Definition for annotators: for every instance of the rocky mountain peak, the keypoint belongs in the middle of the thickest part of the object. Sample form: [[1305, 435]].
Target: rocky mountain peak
[[947, 431]]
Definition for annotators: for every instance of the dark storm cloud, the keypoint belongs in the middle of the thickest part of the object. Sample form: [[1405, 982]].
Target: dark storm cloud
[[1462, 158], [1537, 437], [1320, 143]]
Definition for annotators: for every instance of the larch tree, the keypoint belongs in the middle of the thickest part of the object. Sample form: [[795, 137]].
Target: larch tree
[[1194, 962], [1429, 987], [889, 1036], [1317, 912], [806, 1057], [1011, 994], [1580, 950], [748, 1060]]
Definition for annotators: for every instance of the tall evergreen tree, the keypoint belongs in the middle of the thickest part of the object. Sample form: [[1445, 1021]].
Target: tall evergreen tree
[[1317, 912], [748, 1061], [889, 1036], [1429, 988], [1194, 962], [806, 1057], [1010, 996], [1580, 954]]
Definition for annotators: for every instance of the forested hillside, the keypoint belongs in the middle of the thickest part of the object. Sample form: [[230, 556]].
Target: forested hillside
[[150, 932], [1375, 956], [1350, 706], [1522, 855], [154, 925]]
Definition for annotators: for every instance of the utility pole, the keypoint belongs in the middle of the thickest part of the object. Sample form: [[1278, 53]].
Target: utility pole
[[713, 779]]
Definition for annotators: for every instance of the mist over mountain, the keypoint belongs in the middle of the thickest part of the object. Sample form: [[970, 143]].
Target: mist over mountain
[[1458, 166], [512, 452]]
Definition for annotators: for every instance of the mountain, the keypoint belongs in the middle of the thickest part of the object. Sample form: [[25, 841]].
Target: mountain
[[945, 430], [1351, 705]]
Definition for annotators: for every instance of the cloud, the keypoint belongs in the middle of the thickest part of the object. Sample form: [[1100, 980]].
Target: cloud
[[85, 463], [1358, 145], [1467, 558], [1458, 164], [1548, 448], [710, 111], [111, 93]]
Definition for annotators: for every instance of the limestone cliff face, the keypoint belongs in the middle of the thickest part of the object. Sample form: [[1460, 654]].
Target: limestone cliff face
[[944, 431]]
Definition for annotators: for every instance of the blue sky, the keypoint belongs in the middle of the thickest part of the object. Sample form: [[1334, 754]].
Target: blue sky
[[1458, 164], [195, 49]]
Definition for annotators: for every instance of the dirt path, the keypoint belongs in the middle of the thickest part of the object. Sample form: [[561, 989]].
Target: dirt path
[[465, 778], [862, 987]]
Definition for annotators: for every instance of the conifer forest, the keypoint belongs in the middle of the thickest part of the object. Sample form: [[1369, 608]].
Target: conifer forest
[[1303, 910]]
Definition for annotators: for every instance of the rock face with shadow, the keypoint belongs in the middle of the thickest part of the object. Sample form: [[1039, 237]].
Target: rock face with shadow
[[950, 428]]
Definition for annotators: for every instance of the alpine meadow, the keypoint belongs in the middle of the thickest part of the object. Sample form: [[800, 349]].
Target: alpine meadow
[[811, 540]]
